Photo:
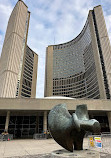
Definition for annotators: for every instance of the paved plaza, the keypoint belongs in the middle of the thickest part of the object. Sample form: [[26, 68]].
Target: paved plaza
[[27, 147], [30, 148]]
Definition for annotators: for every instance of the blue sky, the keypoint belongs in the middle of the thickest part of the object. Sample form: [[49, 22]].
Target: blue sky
[[52, 22]]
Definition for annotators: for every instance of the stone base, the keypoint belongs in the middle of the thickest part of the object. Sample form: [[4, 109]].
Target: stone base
[[76, 154]]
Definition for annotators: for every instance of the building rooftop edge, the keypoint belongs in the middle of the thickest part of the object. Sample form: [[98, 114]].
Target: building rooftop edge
[[97, 6], [32, 50], [23, 3]]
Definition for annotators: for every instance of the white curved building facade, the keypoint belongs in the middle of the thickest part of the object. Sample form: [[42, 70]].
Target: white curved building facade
[[81, 68]]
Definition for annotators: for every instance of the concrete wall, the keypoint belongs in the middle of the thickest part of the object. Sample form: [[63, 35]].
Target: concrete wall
[[48, 104], [34, 78], [97, 57], [49, 72], [104, 43]]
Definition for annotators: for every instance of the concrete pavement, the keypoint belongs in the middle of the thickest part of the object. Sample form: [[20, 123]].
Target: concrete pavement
[[30, 148]]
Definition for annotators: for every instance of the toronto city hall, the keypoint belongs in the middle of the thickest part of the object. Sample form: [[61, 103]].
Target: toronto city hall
[[77, 72]]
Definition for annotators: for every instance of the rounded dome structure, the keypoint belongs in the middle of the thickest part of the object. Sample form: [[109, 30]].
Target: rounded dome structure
[[58, 97]]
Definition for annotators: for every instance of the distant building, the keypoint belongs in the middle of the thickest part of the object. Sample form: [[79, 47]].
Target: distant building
[[18, 63], [81, 68]]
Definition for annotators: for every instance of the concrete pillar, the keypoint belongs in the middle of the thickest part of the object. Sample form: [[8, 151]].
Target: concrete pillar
[[109, 120], [45, 121], [7, 121]]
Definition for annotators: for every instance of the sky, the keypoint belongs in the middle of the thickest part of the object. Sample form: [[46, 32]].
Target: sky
[[52, 22]]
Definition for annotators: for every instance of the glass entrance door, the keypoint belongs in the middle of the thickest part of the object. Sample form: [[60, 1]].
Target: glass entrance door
[[22, 126]]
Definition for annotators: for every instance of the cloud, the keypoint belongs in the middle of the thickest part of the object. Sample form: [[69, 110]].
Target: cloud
[[1, 42], [108, 25], [5, 11]]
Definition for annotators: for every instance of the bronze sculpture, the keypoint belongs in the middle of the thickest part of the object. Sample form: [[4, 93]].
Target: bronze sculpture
[[69, 130]]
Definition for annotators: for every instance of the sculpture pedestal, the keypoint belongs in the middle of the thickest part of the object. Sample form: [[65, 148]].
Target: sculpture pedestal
[[76, 154]]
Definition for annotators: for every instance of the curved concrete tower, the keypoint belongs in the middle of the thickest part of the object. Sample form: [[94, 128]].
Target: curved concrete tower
[[13, 53], [81, 68]]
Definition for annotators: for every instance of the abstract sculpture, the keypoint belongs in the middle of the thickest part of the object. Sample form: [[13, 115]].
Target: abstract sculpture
[[69, 130]]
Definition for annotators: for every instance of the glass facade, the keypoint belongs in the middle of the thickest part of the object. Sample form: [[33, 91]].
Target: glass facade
[[74, 71], [2, 123], [25, 126], [27, 74]]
